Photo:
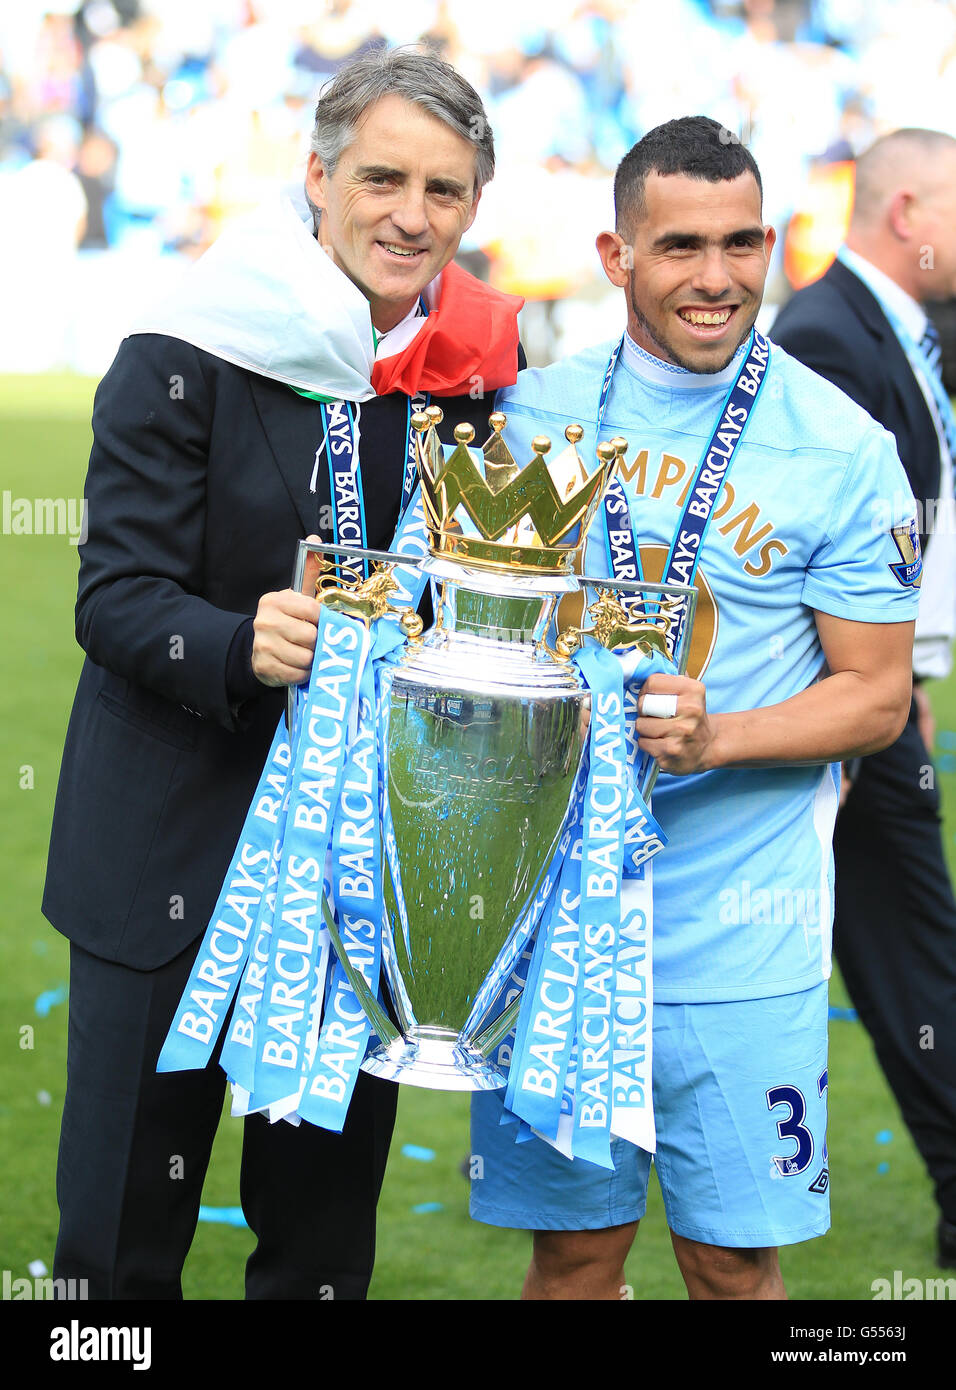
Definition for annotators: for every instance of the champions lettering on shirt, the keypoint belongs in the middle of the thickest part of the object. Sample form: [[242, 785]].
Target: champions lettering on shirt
[[661, 474]]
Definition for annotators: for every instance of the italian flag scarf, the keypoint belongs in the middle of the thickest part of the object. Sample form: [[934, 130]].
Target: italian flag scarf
[[268, 298]]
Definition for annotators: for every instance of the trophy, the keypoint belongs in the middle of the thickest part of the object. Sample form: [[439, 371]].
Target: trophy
[[483, 729]]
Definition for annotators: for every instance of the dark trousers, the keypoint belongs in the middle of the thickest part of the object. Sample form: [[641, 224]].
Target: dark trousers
[[894, 938], [134, 1148]]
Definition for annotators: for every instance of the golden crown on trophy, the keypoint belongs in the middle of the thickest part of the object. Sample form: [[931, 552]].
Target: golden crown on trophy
[[532, 519]]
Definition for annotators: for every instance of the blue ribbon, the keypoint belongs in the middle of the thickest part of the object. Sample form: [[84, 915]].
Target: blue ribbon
[[630, 1024], [346, 493], [277, 1046], [389, 842], [561, 1063], [623, 555], [340, 651], [274, 1031], [237, 1058], [620, 543], [222, 956], [547, 1021], [515, 986], [643, 836], [357, 892], [411, 539], [416, 404], [345, 485], [602, 863]]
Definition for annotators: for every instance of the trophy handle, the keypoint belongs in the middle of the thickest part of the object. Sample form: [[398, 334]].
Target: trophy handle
[[368, 600], [614, 630], [342, 596]]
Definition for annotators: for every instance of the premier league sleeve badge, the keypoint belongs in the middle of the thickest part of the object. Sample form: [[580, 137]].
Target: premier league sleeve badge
[[906, 540]]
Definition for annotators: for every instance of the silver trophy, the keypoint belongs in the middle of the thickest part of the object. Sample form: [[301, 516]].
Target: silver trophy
[[487, 726]]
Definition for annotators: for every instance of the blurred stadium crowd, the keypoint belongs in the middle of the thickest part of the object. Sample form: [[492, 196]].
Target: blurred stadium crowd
[[130, 130]]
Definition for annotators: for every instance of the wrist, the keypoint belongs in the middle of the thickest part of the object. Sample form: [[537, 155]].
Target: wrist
[[717, 753], [241, 681]]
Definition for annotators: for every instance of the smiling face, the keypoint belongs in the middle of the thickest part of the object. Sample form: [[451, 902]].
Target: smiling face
[[695, 271], [397, 204]]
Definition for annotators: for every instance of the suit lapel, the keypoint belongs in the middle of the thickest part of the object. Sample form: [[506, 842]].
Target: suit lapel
[[862, 301], [867, 309], [292, 425]]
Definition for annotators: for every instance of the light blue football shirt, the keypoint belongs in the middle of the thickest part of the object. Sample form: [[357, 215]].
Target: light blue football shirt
[[743, 893]]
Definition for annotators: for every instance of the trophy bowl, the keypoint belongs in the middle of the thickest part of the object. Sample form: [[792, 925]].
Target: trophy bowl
[[485, 734]]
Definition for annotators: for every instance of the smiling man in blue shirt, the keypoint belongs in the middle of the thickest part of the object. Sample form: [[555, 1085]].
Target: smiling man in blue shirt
[[800, 658]]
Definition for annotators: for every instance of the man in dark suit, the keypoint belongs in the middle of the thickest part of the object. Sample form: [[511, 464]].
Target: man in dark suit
[[207, 468], [864, 328]]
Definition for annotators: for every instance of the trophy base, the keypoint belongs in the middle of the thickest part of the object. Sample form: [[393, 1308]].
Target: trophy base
[[434, 1058]]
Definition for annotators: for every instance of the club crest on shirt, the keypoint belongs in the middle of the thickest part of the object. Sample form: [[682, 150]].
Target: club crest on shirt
[[906, 540]]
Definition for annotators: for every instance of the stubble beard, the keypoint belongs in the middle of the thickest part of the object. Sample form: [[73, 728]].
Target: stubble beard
[[670, 354]]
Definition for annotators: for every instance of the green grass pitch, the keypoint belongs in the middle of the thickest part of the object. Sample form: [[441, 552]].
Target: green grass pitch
[[428, 1249]]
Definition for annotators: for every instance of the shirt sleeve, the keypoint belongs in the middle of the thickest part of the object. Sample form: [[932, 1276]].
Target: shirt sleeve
[[868, 566]]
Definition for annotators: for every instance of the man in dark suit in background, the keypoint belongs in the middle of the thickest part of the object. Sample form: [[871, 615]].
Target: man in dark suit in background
[[943, 314], [209, 464], [894, 934]]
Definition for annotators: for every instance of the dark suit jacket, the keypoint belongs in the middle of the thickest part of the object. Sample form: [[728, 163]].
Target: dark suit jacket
[[837, 328], [198, 492]]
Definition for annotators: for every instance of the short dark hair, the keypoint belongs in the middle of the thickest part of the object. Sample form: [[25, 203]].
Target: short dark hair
[[694, 145], [420, 77]]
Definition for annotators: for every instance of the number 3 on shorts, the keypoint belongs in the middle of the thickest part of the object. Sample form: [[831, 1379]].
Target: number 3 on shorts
[[792, 1127]]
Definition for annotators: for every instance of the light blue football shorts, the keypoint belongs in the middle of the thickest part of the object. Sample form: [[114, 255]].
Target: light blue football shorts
[[741, 1115]]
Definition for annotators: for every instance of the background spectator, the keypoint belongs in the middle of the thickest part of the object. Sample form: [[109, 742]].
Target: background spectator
[[186, 112]]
